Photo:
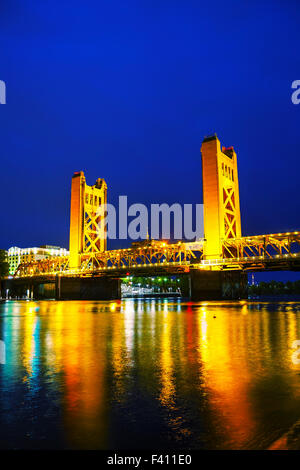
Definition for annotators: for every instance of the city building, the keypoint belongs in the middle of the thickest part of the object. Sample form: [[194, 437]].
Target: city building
[[17, 255]]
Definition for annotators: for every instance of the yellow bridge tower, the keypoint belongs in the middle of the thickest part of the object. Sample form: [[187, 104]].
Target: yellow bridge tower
[[87, 230], [222, 218]]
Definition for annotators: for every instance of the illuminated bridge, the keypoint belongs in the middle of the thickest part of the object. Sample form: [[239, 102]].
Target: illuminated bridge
[[216, 265]]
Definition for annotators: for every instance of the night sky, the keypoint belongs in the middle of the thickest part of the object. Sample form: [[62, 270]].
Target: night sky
[[127, 91]]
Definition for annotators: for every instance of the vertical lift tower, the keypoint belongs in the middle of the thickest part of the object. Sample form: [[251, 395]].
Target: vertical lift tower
[[222, 218]]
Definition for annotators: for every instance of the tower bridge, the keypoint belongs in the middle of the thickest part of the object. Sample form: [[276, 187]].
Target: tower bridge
[[216, 265]]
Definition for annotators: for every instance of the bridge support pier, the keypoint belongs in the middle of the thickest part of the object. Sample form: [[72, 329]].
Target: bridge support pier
[[87, 288], [218, 285], [62, 288]]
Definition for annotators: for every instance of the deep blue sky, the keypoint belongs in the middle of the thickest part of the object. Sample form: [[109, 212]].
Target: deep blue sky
[[127, 91]]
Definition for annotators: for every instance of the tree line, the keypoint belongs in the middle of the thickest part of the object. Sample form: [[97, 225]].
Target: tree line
[[275, 288]]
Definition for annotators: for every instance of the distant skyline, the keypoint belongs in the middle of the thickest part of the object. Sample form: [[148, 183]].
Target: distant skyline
[[127, 92]]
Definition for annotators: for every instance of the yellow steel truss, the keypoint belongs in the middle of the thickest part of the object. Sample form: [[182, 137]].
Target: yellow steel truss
[[148, 253], [256, 252], [268, 246], [229, 213]]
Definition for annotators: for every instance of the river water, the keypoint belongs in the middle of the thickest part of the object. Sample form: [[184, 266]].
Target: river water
[[148, 374]]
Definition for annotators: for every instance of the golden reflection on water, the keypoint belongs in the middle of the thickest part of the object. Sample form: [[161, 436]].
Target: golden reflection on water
[[167, 393], [28, 346], [227, 366], [226, 375]]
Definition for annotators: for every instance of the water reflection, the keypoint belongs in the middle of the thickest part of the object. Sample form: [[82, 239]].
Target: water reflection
[[157, 373]]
